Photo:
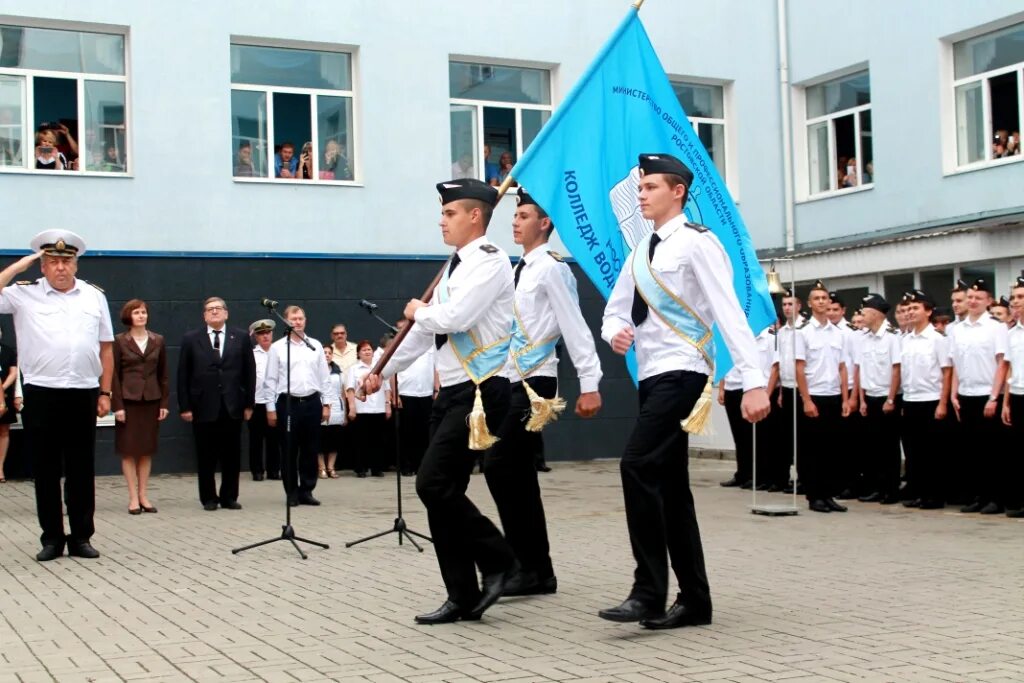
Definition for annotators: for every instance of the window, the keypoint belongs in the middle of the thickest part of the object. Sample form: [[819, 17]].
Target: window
[[496, 112], [988, 95], [938, 283], [705, 109], [292, 114], [63, 101], [896, 285], [839, 146]]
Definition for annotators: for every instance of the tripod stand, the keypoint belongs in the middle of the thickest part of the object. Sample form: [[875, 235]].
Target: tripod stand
[[290, 466], [399, 527]]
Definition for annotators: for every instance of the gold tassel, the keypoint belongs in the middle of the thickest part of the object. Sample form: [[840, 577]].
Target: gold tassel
[[543, 411], [480, 438], [699, 420]]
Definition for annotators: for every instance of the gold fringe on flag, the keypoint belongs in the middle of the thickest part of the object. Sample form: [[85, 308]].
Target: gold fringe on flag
[[543, 411], [699, 420], [480, 438]]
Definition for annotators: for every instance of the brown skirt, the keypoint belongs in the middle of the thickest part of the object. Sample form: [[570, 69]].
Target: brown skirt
[[137, 435]]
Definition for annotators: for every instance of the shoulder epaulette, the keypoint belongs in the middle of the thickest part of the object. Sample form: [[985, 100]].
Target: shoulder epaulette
[[489, 248], [26, 282], [804, 324], [995, 318], [555, 255], [94, 285], [697, 226], [850, 326], [892, 330]]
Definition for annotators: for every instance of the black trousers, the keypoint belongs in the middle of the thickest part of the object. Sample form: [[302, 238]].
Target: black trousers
[[982, 464], [300, 463], [264, 450], [1014, 439], [742, 434], [220, 442], [413, 431], [656, 486], [464, 539], [818, 457], [60, 433], [882, 449], [370, 442], [781, 459], [850, 458], [924, 443], [511, 473]]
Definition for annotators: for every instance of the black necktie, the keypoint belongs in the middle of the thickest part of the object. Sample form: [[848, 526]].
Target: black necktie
[[640, 311], [519, 269], [440, 339], [216, 341]]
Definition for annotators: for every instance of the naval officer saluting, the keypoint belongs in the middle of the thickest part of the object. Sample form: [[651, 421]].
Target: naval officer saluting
[[65, 353]]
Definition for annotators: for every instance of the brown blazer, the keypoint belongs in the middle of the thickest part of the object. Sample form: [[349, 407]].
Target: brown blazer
[[139, 376]]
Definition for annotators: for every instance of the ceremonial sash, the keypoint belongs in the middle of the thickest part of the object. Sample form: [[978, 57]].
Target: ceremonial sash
[[528, 355], [478, 360]]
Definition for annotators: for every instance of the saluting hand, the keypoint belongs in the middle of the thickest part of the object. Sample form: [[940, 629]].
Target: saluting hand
[[622, 341], [588, 404], [25, 262]]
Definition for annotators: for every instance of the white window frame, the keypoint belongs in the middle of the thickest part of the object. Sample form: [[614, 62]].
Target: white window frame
[[80, 77], [519, 108], [732, 178], [951, 148], [269, 90]]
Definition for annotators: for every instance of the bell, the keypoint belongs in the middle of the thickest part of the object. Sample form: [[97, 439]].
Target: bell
[[774, 281]]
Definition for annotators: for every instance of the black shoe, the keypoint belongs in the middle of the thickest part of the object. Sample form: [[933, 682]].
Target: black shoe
[[527, 583], [540, 468], [377, 473], [361, 475], [1015, 514], [408, 473], [257, 477], [630, 610], [788, 488], [973, 507], [448, 613], [819, 506], [763, 487], [890, 499], [907, 493], [233, 505], [491, 588], [307, 499], [293, 501], [49, 552], [83, 550], [274, 476], [992, 508], [678, 615], [835, 507], [847, 494], [915, 503], [875, 497], [730, 483], [776, 488], [747, 485], [927, 504], [211, 506]]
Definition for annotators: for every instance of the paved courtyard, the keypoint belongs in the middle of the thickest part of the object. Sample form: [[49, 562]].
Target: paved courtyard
[[878, 594]]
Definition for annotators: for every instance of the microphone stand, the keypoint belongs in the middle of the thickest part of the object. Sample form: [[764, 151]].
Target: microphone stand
[[399, 527], [287, 530]]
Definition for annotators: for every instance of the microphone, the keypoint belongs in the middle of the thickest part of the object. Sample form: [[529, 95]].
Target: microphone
[[368, 305], [268, 303]]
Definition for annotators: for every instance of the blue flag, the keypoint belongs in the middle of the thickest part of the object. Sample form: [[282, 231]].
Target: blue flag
[[583, 169]]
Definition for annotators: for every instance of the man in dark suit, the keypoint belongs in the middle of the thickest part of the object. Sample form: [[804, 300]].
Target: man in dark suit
[[216, 391]]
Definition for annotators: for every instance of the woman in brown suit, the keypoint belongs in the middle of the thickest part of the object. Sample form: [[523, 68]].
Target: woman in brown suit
[[140, 400]]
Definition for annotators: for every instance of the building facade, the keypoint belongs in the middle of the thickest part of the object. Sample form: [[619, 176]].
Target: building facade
[[290, 150]]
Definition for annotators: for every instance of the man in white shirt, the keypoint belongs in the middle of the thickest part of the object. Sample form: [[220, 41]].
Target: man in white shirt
[[849, 465], [1013, 402], [821, 378], [877, 382], [309, 387], [546, 309], [785, 398], [417, 386], [730, 396], [926, 378], [678, 262], [958, 301], [65, 344], [264, 451], [978, 344]]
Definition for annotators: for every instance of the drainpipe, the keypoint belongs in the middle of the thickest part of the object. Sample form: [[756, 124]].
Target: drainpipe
[[781, 20]]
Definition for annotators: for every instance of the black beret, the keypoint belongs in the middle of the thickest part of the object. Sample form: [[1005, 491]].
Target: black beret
[[875, 301], [961, 286], [523, 197], [981, 285], [665, 163], [835, 298], [1003, 301], [918, 296], [467, 188], [1019, 282], [818, 284]]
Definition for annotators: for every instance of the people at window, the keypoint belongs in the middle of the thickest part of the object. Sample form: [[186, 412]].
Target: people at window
[[463, 167], [286, 164], [48, 157], [1013, 144], [334, 166], [305, 171], [65, 143], [1001, 144], [112, 161], [505, 164], [849, 178], [10, 147], [490, 168], [243, 162]]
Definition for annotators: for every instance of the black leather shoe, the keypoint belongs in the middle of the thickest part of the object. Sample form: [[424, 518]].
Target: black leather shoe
[[678, 615], [540, 468], [776, 488], [834, 506], [1015, 514], [257, 477], [973, 507], [730, 483], [747, 485], [847, 494], [875, 497], [210, 507], [527, 583], [630, 610], [233, 505], [361, 475], [50, 552], [915, 503], [293, 501], [83, 550], [491, 588], [763, 486], [377, 473], [890, 499], [992, 509], [819, 506], [274, 476], [927, 504], [307, 499], [448, 613]]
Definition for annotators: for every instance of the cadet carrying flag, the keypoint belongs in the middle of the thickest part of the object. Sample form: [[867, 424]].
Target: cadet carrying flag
[[582, 168]]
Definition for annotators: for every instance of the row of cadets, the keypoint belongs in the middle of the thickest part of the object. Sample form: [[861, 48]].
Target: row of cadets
[[848, 470], [1013, 404], [786, 400]]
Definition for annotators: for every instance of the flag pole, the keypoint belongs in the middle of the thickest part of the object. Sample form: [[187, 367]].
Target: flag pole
[[638, 4], [390, 349]]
